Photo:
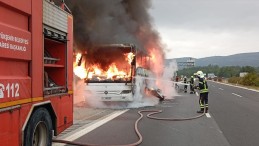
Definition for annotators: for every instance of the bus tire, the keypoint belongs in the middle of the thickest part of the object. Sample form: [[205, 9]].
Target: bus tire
[[39, 129]]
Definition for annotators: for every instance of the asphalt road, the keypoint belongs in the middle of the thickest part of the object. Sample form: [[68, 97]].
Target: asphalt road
[[198, 132], [236, 112], [234, 121]]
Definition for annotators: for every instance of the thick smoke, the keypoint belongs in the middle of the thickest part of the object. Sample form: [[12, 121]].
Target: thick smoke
[[115, 21]]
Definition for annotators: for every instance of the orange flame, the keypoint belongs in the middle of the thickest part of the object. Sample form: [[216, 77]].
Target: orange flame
[[156, 59], [129, 57], [78, 56], [113, 71], [79, 71], [96, 72]]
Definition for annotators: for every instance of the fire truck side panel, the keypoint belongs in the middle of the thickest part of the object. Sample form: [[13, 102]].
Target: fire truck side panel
[[22, 70], [9, 128], [70, 52], [37, 49], [24, 6], [63, 107], [15, 37], [24, 110], [15, 56]]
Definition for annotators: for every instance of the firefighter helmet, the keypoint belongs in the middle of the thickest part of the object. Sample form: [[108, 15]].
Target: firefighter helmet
[[200, 74]]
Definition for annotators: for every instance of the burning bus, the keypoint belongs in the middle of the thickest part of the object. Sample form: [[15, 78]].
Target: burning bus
[[109, 72]]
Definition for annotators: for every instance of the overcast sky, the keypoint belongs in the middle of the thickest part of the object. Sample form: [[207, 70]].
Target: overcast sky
[[202, 28]]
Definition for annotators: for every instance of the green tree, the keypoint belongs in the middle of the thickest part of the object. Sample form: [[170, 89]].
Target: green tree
[[250, 79], [227, 71], [248, 69]]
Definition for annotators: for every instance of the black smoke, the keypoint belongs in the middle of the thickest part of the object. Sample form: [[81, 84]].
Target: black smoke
[[114, 21]]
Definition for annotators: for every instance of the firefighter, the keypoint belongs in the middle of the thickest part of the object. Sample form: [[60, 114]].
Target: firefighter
[[185, 82], [192, 85], [203, 89]]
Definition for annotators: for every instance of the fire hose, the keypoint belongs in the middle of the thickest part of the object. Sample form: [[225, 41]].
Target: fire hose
[[150, 115]]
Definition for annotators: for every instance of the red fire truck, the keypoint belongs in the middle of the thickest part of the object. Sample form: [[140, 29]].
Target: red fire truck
[[36, 71]]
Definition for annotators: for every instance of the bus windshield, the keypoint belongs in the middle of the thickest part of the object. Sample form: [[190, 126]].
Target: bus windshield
[[110, 63]]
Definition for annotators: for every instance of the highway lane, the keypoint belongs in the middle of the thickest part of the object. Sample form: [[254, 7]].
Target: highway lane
[[236, 111], [199, 132]]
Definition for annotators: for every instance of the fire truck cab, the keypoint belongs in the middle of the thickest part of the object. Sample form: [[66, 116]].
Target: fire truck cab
[[36, 71]]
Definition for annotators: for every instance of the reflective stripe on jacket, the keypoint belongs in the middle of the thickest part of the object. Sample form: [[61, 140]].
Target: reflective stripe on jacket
[[203, 86]]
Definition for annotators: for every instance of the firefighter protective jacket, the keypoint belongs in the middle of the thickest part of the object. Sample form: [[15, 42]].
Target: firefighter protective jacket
[[203, 86]]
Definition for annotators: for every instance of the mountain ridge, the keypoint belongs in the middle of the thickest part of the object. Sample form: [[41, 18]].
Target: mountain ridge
[[241, 59]]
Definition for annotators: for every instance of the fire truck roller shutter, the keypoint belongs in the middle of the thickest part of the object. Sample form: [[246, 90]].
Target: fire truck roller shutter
[[39, 129]]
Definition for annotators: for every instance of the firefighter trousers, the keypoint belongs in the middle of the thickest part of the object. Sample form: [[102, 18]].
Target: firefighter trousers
[[203, 101], [191, 87]]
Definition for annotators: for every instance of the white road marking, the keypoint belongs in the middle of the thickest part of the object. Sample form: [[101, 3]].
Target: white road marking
[[236, 86], [88, 129], [236, 94], [208, 115], [221, 89]]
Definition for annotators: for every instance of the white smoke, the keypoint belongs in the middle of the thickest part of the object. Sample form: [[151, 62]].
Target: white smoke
[[78, 86], [83, 97], [141, 99], [165, 83]]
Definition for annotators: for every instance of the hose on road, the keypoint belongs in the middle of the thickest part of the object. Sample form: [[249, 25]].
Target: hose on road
[[151, 112]]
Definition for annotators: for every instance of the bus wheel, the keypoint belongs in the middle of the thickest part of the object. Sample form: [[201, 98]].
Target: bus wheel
[[38, 131]]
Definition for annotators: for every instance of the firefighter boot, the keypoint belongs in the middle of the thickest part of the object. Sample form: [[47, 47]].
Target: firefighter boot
[[201, 111], [207, 110]]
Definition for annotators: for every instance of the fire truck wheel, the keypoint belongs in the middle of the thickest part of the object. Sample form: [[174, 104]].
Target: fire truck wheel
[[38, 131]]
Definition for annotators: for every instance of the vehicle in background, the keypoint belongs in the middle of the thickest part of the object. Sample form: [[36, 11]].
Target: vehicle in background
[[211, 76]]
